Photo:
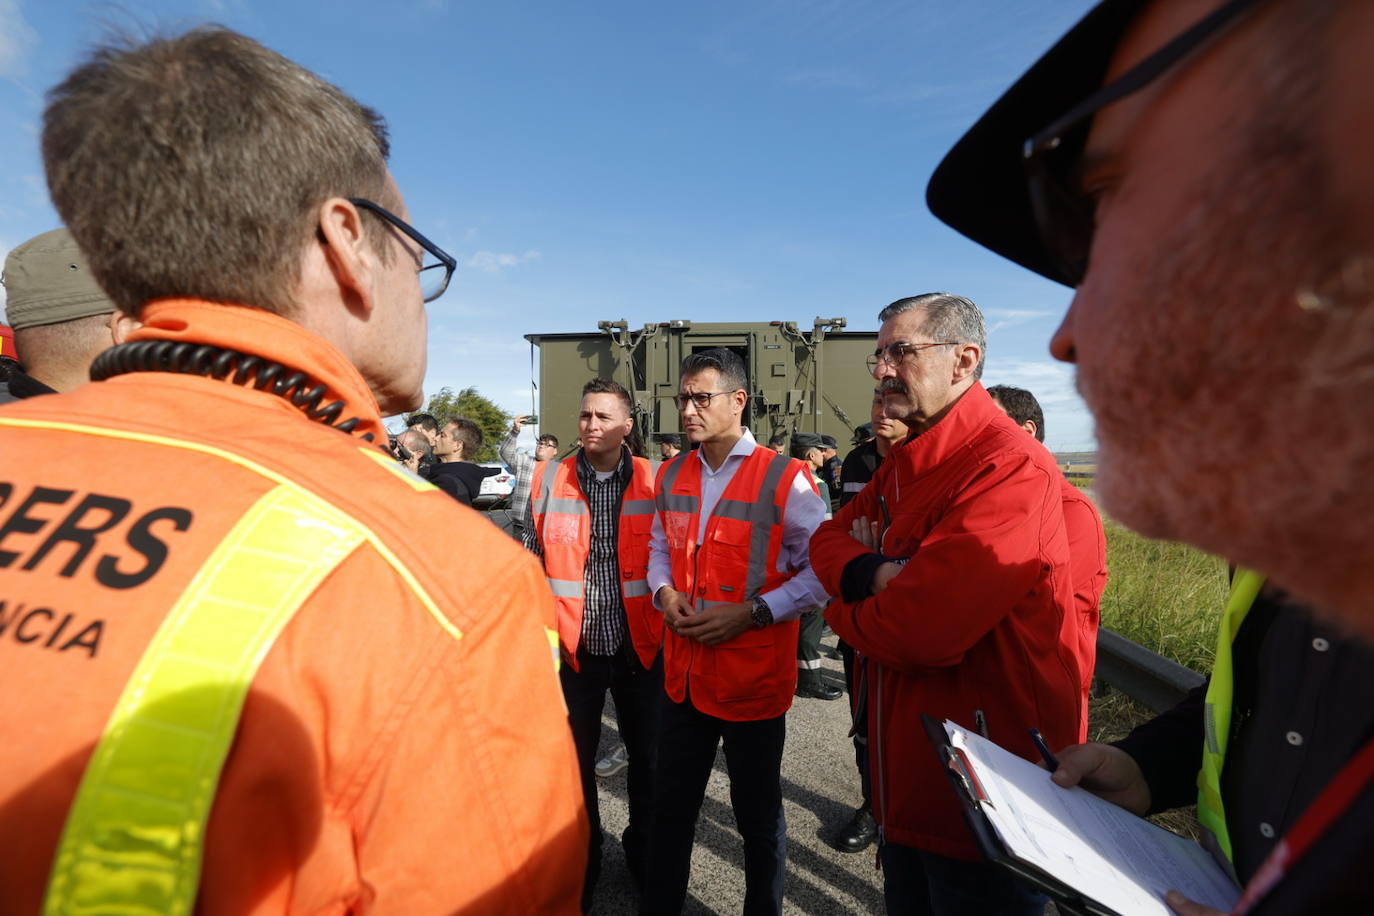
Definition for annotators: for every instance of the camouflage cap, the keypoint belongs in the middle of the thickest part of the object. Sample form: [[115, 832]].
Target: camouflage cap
[[47, 281]]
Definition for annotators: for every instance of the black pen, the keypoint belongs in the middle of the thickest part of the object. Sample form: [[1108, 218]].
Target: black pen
[[1050, 759]]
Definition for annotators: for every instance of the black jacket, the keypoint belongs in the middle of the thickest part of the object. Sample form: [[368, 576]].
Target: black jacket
[[460, 479], [16, 384], [1302, 705], [858, 469]]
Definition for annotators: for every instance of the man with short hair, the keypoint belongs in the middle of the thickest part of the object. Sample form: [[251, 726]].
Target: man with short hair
[[863, 460], [952, 572], [417, 446], [522, 466], [245, 679], [1087, 542], [426, 424], [728, 567], [589, 521], [778, 443], [62, 319], [858, 469], [454, 471], [1198, 171]]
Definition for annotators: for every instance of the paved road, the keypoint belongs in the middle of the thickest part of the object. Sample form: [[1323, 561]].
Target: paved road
[[820, 790]]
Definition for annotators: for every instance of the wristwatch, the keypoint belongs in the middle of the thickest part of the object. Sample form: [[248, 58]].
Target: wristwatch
[[762, 614]]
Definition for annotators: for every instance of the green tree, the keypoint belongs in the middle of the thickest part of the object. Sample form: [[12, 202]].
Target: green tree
[[445, 405]]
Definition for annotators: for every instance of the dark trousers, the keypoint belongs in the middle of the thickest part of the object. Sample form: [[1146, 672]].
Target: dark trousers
[[753, 757], [809, 648], [860, 722], [638, 694], [919, 883]]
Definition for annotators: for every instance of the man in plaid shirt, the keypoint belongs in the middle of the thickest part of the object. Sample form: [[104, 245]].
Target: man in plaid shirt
[[522, 466]]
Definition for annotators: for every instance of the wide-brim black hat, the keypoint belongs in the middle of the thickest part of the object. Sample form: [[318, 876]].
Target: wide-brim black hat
[[979, 188]]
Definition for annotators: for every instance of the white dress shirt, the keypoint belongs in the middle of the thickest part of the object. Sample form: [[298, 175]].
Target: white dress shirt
[[804, 512]]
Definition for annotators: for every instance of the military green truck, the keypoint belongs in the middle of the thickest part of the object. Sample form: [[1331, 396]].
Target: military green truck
[[799, 380]]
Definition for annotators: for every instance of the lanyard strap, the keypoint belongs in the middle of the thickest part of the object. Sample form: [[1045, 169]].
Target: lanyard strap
[[1354, 778]]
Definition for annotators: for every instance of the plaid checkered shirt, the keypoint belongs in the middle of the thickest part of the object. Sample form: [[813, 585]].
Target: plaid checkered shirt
[[522, 466], [603, 609]]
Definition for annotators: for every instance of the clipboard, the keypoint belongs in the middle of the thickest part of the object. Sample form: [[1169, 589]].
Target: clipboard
[[972, 798]]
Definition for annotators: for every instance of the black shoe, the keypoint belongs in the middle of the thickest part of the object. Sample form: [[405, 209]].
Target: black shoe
[[859, 833], [821, 691]]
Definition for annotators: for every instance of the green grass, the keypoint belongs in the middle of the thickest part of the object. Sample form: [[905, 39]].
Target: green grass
[[1165, 596], [1168, 598]]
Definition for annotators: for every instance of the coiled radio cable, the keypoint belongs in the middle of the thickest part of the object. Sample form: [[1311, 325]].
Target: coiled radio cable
[[218, 363]]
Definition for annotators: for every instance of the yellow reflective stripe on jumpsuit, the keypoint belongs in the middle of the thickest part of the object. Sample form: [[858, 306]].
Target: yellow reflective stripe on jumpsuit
[[134, 836], [1216, 710]]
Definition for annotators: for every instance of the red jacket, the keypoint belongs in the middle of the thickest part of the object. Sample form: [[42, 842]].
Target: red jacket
[[973, 624], [1088, 574]]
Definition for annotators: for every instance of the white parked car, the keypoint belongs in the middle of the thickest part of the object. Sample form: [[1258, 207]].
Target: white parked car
[[495, 487]]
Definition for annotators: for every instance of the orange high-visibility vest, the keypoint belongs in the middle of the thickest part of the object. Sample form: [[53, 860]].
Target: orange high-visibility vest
[[563, 524], [753, 675]]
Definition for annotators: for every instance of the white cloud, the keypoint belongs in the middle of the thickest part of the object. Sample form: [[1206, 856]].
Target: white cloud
[[1010, 318], [1068, 423], [17, 40], [494, 262]]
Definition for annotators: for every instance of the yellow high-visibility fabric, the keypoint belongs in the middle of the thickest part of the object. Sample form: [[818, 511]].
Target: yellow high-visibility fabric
[[134, 836], [1216, 721]]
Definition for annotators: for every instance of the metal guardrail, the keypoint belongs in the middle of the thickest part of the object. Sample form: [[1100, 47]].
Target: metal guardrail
[[1145, 677]]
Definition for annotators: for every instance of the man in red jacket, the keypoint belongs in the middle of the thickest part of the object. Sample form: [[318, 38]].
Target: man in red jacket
[[1087, 544], [953, 574]]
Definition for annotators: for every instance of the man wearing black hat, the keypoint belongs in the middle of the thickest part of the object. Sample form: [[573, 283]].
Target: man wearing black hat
[[829, 470], [859, 832], [810, 448], [1198, 171], [669, 445], [61, 317]]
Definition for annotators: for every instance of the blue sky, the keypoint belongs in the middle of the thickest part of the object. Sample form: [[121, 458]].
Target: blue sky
[[718, 161]]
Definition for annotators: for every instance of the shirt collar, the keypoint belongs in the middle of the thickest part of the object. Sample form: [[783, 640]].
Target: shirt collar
[[741, 449], [586, 472]]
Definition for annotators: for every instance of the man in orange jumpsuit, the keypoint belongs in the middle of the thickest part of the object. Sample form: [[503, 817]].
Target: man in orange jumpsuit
[[236, 679]]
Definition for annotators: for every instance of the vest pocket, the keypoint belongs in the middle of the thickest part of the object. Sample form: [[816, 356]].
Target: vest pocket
[[745, 667], [726, 562]]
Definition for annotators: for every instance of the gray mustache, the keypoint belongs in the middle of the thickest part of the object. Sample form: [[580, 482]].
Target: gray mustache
[[892, 385]]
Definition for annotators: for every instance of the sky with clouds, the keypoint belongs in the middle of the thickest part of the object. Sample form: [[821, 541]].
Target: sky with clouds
[[719, 160]]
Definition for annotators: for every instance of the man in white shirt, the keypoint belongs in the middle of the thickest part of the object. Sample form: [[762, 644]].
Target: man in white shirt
[[729, 567]]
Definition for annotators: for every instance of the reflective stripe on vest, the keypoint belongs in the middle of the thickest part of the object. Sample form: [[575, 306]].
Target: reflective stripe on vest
[[1216, 710], [135, 833], [761, 512], [562, 525], [753, 675]]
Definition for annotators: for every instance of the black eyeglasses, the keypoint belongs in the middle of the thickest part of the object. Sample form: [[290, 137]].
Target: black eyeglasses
[[894, 353], [701, 399], [1065, 215], [432, 282]]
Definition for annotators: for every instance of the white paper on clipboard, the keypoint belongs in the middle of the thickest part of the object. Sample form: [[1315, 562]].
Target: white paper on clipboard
[[1104, 852]]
